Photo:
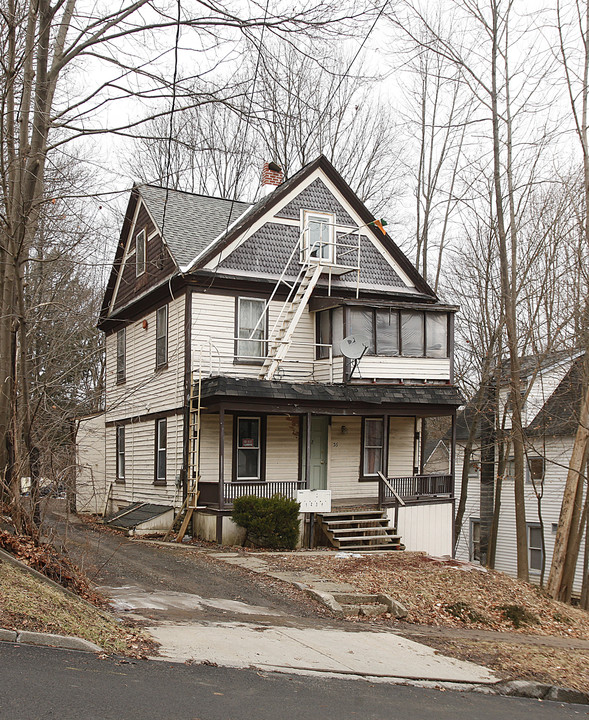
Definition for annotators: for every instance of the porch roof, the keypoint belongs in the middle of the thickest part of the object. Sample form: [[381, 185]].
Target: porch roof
[[342, 398]]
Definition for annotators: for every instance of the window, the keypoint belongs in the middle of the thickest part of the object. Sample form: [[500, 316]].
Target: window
[[436, 334], [318, 236], [161, 336], [121, 355], [412, 337], [535, 554], [535, 472], [392, 332], [140, 254], [330, 331], [372, 446], [120, 453], [387, 332], [251, 329], [248, 449], [161, 447], [474, 467], [475, 541]]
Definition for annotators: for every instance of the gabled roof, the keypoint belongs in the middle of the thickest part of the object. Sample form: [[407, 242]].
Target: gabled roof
[[197, 227], [192, 222], [560, 413]]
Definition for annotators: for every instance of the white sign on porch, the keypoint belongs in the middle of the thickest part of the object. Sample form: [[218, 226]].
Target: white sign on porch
[[314, 500]]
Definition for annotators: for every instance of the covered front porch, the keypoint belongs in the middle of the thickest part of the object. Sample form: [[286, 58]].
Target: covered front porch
[[362, 443]]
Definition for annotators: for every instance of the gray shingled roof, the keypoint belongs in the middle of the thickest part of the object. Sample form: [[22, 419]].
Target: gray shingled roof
[[373, 395], [192, 221]]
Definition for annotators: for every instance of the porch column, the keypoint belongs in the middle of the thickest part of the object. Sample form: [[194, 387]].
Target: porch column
[[453, 480], [308, 451], [221, 458]]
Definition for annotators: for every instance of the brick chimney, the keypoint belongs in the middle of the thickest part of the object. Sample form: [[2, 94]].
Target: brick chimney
[[272, 176]]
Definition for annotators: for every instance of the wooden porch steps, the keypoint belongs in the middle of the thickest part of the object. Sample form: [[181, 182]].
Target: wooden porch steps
[[359, 530]]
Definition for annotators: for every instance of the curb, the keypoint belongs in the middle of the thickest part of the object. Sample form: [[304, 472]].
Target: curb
[[535, 690], [64, 642]]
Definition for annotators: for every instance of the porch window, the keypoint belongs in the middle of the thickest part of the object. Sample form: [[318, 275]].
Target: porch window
[[140, 253], [372, 446], [412, 336], [161, 449], [251, 329], [121, 355], [362, 325], [330, 331], [436, 334], [248, 448], [120, 453], [535, 554], [387, 332], [318, 243], [161, 336], [475, 541]]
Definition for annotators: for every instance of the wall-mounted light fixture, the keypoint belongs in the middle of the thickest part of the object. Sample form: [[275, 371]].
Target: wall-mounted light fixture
[[144, 324], [344, 430]]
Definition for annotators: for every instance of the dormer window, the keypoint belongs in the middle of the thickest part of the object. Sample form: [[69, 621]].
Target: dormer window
[[140, 254], [318, 237]]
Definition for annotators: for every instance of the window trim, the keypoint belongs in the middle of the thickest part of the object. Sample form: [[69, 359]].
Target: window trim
[[262, 425], [120, 453], [305, 240], [363, 477], [140, 268], [246, 360], [163, 364], [529, 470], [157, 480], [529, 527], [121, 356]]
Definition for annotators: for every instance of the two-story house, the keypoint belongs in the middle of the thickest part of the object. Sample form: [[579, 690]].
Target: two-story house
[[552, 391], [268, 348]]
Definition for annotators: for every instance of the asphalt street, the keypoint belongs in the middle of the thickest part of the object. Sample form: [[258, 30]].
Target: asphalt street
[[43, 683]]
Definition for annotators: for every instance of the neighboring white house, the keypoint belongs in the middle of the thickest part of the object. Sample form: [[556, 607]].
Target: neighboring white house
[[247, 307], [553, 392]]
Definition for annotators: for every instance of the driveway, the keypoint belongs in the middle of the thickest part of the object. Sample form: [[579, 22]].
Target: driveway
[[202, 608]]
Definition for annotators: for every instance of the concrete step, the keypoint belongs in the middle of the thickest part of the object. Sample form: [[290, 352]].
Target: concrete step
[[368, 610]]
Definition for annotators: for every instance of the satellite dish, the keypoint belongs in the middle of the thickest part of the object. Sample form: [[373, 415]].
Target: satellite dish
[[354, 346]]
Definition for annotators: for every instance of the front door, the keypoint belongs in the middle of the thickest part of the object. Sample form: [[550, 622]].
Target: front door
[[319, 430]]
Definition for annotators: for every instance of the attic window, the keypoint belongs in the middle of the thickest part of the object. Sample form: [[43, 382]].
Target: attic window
[[318, 237], [140, 254]]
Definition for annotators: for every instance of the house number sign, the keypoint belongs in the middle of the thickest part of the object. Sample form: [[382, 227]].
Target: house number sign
[[314, 500]]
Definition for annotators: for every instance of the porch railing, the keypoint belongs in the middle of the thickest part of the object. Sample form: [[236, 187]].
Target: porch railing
[[209, 491], [414, 486]]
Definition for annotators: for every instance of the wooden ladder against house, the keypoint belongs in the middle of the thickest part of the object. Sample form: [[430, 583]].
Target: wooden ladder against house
[[359, 530], [281, 336]]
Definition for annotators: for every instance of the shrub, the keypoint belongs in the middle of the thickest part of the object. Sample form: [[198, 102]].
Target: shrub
[[466, 613], [268, 522]]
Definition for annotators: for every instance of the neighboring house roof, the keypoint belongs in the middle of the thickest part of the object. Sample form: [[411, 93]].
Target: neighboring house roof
[[532, 364], [560, 413], [192, 222]]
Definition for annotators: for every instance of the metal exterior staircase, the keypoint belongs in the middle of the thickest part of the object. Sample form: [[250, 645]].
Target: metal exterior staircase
[[360, 530], [281, 337]]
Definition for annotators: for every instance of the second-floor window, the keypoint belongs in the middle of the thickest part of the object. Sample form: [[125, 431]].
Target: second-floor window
[[121, 355], [161, 336], [140, 253], [535, 472], [251, 329]]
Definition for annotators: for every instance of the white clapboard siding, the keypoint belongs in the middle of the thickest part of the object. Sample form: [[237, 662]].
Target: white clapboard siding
[[282, 448], [91, 483], [209, 447], [140, 463], [403, 368], [213, 332], [146, 390], [401, 446], [557, 452], [343, 460], [426, 527]]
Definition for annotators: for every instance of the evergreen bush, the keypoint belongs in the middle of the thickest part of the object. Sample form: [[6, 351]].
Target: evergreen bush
[[269, 522]]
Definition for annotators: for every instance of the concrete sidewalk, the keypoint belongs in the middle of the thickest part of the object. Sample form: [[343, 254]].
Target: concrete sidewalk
[[377, 654]]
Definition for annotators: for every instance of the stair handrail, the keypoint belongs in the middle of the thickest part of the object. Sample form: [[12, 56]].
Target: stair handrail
[[394, 493]]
